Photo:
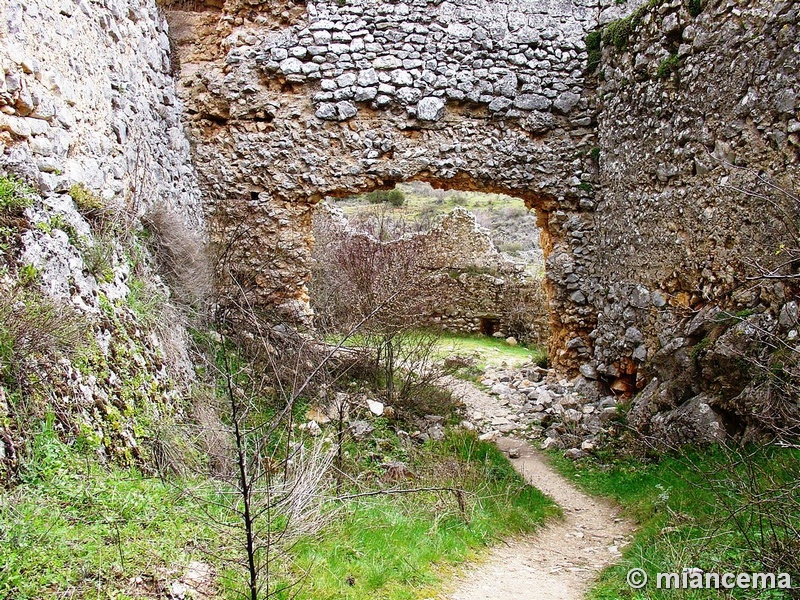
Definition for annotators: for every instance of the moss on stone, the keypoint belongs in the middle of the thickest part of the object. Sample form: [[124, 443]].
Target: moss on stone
[[593, 46], [668, 66]]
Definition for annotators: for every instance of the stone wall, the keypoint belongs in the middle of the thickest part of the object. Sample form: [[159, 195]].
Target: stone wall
[[88, 97], [89, 116], [641, 178], [464, 284], [353, 96], [699, 169], [657, 186]]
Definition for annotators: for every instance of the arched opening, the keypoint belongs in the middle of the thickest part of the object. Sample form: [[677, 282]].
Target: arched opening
[[489, 326], [468, 262]]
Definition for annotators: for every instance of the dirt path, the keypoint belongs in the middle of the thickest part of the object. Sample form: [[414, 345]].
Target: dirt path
[[558, 562]]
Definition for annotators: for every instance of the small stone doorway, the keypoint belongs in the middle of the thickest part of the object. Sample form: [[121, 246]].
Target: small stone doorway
[[489, 325]]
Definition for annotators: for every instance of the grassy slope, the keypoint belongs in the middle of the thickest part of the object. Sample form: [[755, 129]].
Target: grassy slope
[[680, 503], [398, 547], [74, 527]]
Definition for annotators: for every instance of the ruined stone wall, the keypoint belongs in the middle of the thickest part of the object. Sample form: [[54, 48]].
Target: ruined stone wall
[[641, 173], [461, 279], [698, 136], [89, 114], [659, 181], [88, 97], [351, 96]]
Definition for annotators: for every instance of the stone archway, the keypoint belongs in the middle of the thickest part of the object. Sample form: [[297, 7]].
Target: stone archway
[[630, 172], [356, 96]]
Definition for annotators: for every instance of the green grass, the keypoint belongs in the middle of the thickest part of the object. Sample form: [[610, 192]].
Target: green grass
[[485, 350], [73, 527], [400, 547], [489, 351], [680, 505]]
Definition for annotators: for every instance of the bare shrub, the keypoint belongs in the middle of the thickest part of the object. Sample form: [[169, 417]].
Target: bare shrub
[[35, 334], [181, 254], [211, 435], [36, 329], [267, 489], [526, 314]]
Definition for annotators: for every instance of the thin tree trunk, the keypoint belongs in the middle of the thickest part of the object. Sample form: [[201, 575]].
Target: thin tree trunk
[[244, 485]]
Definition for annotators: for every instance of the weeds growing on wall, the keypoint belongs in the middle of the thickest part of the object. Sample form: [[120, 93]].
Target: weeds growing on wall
[[15, 196], [89, 204], [668, 66]]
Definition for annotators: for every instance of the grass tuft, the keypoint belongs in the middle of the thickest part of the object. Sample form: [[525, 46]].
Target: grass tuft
[[15, 195]]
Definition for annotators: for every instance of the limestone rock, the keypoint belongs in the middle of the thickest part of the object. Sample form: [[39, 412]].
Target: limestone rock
[[430, 109]]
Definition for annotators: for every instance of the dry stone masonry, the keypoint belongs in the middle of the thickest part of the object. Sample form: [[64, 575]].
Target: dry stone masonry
[[351, 96], [88, 97], [699, 138], [633, 169], [514, 57]]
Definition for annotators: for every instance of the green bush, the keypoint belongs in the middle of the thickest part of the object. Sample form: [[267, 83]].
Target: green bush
[[15, 195], [89, 204], [695, 7], [377, 196], [396, 197]]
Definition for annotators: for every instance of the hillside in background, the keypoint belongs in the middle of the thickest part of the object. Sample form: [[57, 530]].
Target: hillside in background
[[511, 225]]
